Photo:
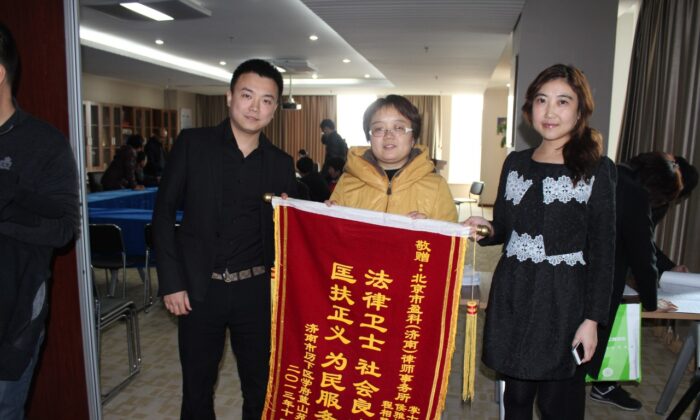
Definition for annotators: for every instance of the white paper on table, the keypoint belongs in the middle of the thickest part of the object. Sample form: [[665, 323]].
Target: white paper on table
[[681, 289]]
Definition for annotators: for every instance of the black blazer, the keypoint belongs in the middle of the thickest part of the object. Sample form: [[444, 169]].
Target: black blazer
[[192, 182]]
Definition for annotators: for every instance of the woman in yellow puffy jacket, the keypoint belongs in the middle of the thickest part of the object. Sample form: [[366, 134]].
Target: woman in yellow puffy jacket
[[393, 174]]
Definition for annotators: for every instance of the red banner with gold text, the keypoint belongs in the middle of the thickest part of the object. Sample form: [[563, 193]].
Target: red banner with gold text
[[364, 313]]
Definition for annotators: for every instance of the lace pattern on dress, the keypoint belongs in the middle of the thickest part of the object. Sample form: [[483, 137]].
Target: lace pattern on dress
[[563, 189], [525, 247], [516, 187]]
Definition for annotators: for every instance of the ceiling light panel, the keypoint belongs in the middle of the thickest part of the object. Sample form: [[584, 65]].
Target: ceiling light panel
[[146, 11]]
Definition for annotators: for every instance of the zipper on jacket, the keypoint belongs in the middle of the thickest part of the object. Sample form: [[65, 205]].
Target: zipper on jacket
[[388, 193]]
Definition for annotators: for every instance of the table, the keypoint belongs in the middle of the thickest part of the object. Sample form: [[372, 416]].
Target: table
[[124, 199], [690, 348]]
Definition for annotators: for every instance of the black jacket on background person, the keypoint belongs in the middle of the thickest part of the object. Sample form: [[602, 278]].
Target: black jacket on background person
[[38, 212], [121, 172], [192, 181], [318, 189], [155, 154], [634, 252]]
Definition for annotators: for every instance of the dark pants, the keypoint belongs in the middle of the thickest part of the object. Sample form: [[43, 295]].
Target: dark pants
[[564, 399], [244, 308]]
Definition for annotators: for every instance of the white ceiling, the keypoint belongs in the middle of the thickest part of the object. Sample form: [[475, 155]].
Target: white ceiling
[[405, 46]]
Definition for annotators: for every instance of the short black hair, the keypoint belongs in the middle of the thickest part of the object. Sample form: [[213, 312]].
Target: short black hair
[[327, 123], [305, 165], [135, 141], [9, 57], [263, 69]]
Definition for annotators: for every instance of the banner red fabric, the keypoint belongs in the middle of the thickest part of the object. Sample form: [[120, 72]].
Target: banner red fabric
[[364, 319]]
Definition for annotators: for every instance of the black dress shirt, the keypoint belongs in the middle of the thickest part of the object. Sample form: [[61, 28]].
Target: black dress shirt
[[239, 242]]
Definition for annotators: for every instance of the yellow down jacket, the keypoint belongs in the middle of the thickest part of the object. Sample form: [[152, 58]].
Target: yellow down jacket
[[415, 187]]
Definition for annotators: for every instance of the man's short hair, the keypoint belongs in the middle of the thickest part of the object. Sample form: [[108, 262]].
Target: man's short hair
[[263, 69], [327, 124], [689, 175], [135, 141], [305, 165], [9, 58]]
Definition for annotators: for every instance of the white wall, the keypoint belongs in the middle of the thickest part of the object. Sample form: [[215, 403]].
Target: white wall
[[492, 154], [119, 92], [111, 91]]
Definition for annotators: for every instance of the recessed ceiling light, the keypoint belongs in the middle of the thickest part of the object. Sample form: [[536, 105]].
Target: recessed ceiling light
[[346, 60], [144, 10], [281, 69], [366, 76], [222, 63], [159, 42], [314, 76], [313, 37], [507, 84]]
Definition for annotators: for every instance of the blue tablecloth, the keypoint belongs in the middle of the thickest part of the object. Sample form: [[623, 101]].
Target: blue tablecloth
[[124, 199], [132, 222]]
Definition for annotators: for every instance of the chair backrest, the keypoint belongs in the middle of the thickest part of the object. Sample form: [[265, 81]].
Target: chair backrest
[[95, 181], [148, 234], [106, 239], [477, 188]]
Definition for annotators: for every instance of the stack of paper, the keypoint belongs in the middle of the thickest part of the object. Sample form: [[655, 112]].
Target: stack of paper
[[681, 289]]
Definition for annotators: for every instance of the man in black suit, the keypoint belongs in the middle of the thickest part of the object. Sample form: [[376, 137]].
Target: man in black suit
[[214, 270]]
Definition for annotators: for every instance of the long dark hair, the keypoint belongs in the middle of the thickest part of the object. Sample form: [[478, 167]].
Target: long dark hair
[[583, 150]]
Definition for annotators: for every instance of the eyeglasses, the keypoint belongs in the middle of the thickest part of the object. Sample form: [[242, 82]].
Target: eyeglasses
[[396, 131]]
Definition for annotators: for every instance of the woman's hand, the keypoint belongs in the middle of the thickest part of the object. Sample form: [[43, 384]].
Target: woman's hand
[[663, 305], [416, 215], [474, 222], [587, 334], [330, 203]]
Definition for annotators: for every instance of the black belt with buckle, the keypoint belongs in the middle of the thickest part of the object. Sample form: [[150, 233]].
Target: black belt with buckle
[[229, 277]]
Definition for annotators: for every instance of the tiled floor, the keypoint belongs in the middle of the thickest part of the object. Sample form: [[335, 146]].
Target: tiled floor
[[155, 391]]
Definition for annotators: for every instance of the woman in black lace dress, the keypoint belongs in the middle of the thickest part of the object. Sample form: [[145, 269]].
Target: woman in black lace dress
[[555, 215]]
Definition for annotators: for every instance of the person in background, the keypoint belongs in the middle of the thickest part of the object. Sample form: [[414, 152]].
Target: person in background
[[648, 181], [689, 177], [333, 172], [318, 189], [156, 155], [39, 212], [394, 174], [121, 172], [214, 271], [141, 162], [336, 147], [555, 215]]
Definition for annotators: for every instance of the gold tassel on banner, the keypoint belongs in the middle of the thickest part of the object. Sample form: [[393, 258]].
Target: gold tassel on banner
[[469, 365]]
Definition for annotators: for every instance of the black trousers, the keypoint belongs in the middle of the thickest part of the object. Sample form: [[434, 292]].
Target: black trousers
[[563, 399], [242, 307]]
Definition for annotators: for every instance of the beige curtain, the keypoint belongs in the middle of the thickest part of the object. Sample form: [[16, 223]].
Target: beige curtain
[[662, 112], [429, 108], [295, 130], [210, 110]]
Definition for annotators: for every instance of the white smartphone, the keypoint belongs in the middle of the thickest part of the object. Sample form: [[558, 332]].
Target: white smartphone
[[578, 353]]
